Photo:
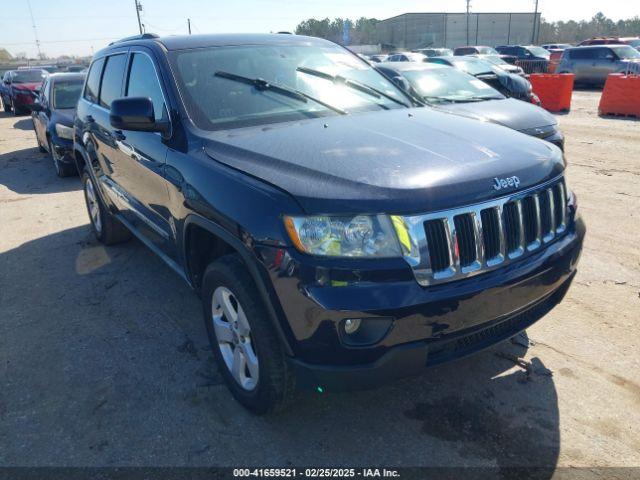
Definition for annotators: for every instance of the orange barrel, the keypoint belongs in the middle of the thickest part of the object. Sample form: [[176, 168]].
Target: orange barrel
[[554, 90], [621, 95]]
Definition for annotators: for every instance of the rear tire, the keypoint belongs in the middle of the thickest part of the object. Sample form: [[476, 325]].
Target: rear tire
[[105, 226], [40, 147], [265, 382]]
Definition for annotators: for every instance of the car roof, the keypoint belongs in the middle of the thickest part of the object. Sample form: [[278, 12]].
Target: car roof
[[67, 76], [593, 47], [407, 66], [181, 42]]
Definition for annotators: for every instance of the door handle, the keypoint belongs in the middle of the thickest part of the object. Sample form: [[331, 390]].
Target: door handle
[[119, 136], [90, 119]]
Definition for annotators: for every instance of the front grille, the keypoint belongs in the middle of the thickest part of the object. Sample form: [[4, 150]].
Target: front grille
[[457, 243], [466, 238], [438, 245]]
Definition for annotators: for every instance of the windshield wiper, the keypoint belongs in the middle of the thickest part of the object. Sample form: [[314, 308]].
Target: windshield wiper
[[262, 85], [354, 84]]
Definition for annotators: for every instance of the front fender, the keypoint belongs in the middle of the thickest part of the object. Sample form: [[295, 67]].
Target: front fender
[[255, 268]]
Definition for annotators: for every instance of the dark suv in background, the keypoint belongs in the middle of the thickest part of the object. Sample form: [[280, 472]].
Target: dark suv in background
[[338, 237]]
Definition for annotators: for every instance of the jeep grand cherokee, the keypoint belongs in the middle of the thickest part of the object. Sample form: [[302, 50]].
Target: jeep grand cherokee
[[338, 237]]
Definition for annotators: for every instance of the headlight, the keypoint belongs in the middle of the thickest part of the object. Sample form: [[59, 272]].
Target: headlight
[[371, 236], [64, 132]]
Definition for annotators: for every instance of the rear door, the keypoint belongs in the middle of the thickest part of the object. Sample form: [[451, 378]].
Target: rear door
[[581, 63], [110, 88]]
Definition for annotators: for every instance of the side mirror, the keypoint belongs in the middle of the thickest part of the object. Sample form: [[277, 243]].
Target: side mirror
[[134, 113]]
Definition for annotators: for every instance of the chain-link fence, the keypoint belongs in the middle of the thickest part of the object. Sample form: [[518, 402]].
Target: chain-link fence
[[533, 66], [632, 68]]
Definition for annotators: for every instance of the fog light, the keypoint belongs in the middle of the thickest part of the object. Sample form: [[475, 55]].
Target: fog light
[[351, 325]]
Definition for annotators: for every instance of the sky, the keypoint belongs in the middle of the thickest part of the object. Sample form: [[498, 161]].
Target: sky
[[80, 27]]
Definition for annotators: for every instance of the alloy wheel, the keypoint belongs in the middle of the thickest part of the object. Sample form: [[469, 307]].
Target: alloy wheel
[[233, 334], [93, 205]]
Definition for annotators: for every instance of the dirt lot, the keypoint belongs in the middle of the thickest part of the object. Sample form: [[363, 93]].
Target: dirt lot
[[104, 361]]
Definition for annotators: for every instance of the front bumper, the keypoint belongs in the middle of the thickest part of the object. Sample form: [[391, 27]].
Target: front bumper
[[428, 325], [64, 149], [557, 139]]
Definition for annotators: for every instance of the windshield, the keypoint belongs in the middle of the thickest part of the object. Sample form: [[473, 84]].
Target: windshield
[[416, 57], [625, 51], [28, 76], [216, 101], [487, 51], [473, 66], [449, 84], [496, 60], [66, 93], [538, 52]]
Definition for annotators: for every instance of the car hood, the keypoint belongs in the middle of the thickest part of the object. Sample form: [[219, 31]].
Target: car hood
[[64, 116], [509, 112], [396, 161]]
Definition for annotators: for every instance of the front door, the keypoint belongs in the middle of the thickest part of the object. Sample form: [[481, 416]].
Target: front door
[[142, 156]]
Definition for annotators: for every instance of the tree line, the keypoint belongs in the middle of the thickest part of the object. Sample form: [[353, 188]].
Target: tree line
[[363, 30]]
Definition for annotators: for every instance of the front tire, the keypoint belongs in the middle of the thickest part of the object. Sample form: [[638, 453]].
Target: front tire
[[105, 226], [62, 169], [6, 106], [244, 343]]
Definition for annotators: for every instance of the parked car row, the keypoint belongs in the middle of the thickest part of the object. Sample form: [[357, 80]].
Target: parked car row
[[591, 61], [454, 91], [344, 225]]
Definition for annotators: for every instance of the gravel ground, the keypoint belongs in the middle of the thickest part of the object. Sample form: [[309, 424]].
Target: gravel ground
[[104, 360]]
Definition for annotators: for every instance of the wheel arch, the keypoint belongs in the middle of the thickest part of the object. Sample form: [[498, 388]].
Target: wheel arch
[[204, 241]]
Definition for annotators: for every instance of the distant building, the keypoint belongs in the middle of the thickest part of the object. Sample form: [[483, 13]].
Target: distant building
[[417, 30]]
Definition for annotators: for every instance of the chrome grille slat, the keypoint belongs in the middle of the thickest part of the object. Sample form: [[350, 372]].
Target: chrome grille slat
[[537, 222], [501, 238], [521, 235], [552, 217], [484, 242]]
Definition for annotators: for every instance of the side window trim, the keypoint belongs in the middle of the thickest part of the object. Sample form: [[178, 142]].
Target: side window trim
[[132, 53], [104, 69], [86, 83]]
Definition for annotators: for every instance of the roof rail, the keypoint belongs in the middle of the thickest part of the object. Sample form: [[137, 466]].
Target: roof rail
[[144, 36]]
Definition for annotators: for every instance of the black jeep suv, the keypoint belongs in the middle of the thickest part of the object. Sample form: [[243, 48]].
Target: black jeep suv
[[338, 236]]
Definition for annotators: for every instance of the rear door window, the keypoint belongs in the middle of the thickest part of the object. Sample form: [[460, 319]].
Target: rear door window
[[582, 53], [93, 81], [111, 88]]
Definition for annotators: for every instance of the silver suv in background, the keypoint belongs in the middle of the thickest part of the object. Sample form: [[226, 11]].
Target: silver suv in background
[[593, 64]]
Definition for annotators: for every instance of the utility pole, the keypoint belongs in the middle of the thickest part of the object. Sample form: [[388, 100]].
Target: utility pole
[[138, 10], [189, 25], [468, 10], [35, 30], [535, 22]]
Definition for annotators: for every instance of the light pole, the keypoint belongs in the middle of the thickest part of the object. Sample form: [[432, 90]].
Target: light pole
[[138, 9], [535, 22], [468, 9]]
